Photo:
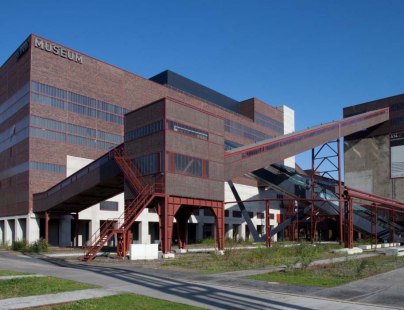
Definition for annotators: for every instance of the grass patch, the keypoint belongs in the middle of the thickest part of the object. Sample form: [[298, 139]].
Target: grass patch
[[242, 259], [11, 273], [31, 286], [123, 301], [334, 274]]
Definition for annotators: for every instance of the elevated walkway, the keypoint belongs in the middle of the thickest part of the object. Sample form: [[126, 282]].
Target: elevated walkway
[[98, 181], [243, 160]]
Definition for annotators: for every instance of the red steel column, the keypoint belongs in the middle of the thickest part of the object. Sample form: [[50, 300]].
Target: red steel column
[[340, 202], [312, 224], [218, 210]]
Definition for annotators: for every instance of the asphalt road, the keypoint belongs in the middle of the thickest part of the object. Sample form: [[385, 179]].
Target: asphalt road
[[223, 291]]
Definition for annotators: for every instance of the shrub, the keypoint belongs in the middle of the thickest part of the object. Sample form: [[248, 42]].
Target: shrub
[[19, 245], [22, 246], [39, 246]]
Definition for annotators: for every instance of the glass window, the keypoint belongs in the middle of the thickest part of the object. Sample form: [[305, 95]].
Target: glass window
[[148, 164], [47, 167], [236, 213], [240, 130], [144, 131], [188, 165], [109, 206]]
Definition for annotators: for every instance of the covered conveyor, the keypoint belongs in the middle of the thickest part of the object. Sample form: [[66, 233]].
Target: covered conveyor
[[297, 186], [243, 160], [98, 181]]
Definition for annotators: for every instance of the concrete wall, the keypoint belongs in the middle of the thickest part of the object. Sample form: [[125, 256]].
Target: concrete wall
[[288, 127], [367, 167]]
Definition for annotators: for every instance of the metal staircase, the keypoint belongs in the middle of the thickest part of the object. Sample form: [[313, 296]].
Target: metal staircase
[[121, 225]]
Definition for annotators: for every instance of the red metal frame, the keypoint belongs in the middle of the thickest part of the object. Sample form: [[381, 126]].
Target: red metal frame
[[319, 160]]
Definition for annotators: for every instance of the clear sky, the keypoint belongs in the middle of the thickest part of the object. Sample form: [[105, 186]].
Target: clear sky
[[315, 56]]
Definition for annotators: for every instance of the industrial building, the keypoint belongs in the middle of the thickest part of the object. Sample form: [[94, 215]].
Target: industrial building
[[61, 109], [94, 155]]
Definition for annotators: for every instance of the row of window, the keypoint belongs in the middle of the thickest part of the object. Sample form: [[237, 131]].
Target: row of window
[[69, 138], [58, 98], [35, 165], [144, 131], [268, 122], [229, 145], [235, 213], [62, 127], [188, 130], [12, 105], [240, 130], [188, 165]]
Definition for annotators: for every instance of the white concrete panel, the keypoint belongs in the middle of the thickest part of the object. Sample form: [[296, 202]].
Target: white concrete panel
[[143, 251], [1, 232], [288, 127], [32, 227]]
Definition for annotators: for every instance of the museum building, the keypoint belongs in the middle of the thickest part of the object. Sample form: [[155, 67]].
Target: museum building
[[61, 109]]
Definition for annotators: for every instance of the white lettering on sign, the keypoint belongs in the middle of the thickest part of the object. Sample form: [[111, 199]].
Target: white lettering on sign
[[58, 50]]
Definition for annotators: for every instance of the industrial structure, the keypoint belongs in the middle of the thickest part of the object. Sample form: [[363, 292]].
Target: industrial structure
[[61, 109], [90, 153]]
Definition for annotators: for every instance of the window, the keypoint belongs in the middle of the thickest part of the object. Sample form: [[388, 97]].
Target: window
[[229, 145], [144, 131], [148, 164], [237, 214], [57, 98], [260, 215], [240, 130], [269, 122], [109, 206], [34, 165], [188, 165], [188, 130], [226, 213]]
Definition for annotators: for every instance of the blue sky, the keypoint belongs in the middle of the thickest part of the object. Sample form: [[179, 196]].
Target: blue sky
[[315, 56]]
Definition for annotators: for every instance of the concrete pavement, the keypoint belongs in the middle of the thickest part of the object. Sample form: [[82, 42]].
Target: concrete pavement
[[206, 291]]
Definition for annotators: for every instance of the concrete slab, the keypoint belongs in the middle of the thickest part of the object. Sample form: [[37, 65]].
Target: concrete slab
[[347, 251]]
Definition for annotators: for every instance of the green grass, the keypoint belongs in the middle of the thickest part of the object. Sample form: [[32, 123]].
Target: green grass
[[31, 286], [242, 259], [123, 301], [334, 274], [11, 273]]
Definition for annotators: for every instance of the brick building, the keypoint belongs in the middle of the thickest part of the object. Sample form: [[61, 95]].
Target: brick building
[[61, 109]]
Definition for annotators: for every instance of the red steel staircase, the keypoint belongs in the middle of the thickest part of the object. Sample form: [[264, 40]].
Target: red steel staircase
[[121, 225]]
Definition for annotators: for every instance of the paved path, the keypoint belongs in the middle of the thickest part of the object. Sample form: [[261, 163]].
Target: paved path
[[208, 292]]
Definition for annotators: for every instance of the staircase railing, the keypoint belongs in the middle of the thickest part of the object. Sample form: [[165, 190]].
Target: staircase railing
[[145, 194], [129, 169]]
